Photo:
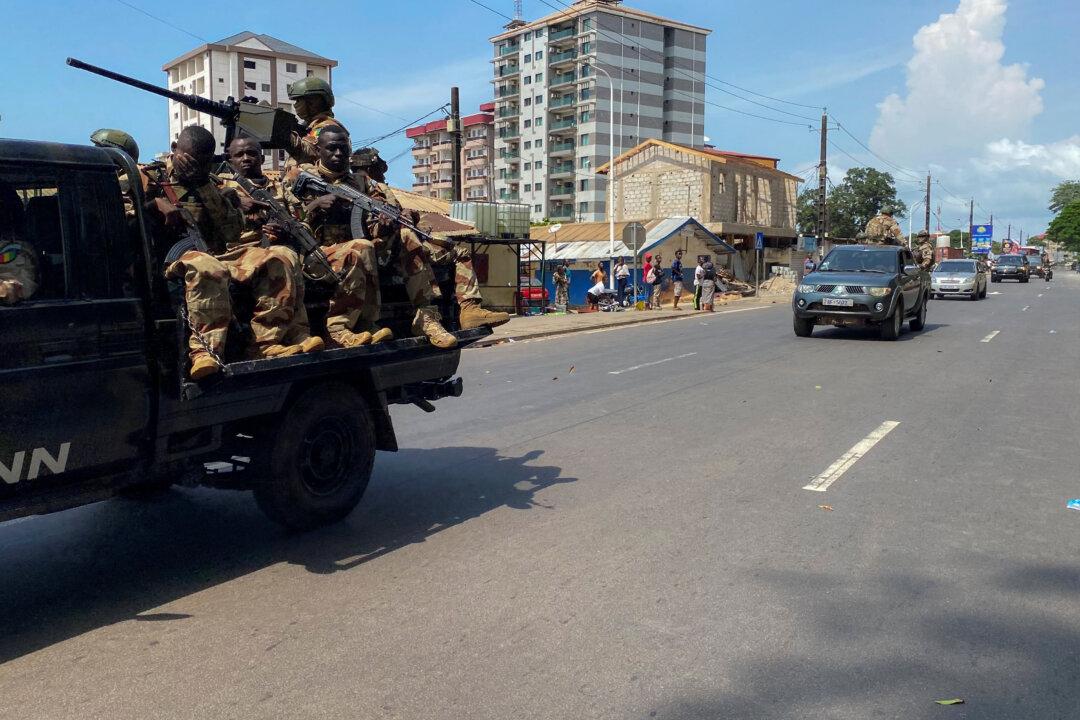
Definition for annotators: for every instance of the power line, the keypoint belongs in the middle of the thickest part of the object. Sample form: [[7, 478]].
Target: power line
[[863, 145], [491, 9], [372, 109], [371, 141], [162, 20]]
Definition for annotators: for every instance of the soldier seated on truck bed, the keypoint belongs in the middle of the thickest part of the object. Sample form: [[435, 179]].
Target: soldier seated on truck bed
[[182, 195], [18, 260], [352, 316]]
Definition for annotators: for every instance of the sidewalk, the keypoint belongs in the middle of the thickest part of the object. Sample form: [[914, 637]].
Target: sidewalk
[[529, 327]]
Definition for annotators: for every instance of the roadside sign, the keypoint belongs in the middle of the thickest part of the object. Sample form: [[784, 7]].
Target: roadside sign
[[982, 237], [759, 241]]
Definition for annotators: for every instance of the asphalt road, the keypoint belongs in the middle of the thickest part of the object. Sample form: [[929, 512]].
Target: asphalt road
[[615, 525]]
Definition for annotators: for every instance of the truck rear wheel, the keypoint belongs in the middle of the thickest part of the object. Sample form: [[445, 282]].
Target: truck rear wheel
[[320, 459]]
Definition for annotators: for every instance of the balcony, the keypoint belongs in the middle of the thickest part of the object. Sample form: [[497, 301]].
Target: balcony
[[561, 58], [443, 184], [509, 196], [509, 50], [474, 160], [505, 71], [424, 182], [475, 181], [562, 79], [561, 191], [510, 154], [421, 166], [558, 169], [563, 34], [507, 91], [564, 124], [509, 134], [556, 149], [561, 212], [560, 102], [508, 112], [510, 177]]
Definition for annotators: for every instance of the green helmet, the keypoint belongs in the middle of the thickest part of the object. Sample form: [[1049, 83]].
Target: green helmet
[[888, 210], [108, 137], [311, 85]]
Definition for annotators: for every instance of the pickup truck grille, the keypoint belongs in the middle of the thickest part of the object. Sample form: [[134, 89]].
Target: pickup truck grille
[[850, 289], [826, 288]]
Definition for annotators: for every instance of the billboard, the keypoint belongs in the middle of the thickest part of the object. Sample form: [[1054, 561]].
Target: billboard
[[981, 238]]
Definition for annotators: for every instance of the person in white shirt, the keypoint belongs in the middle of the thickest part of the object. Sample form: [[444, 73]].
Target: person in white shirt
[[622, 275], [699, 275]]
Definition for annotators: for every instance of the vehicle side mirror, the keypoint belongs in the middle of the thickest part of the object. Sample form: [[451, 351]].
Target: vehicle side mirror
[[911, 269]]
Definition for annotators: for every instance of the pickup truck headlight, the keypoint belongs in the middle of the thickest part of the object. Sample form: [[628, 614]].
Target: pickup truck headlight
[[879, 291], [807, 288]]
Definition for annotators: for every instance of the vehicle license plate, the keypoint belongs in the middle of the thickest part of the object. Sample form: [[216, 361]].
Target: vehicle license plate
[[950, 287], [838, 302]]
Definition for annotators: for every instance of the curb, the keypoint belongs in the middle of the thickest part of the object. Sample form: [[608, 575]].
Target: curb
[[489, 341]]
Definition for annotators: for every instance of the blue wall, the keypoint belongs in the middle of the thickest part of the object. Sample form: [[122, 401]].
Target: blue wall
[[580, 284]]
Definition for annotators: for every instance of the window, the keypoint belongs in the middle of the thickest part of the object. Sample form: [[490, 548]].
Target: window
[[583, 185], [586, 116], [539, 144], [538, 208], [586, 47], [539, 54], [527, 123], [528, 144], [539, 77], [539, 99], [310, 73], [221, 80], [249, 85], [584, 163], [539, 164], [528, 187], [528, 35], [249, 64], [528, 166], [266, 87], [586, 24], [537, 187], [290, 67], [527, 80], [539, 121], [527, 58], [176, 116], [583, 207], [540, 33], [584, 139], [527, 102]]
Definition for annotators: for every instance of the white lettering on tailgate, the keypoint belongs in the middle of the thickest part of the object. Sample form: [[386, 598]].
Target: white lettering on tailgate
[[38, 457]]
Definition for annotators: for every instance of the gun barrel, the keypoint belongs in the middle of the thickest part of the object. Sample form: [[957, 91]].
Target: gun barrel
[[200, 104]]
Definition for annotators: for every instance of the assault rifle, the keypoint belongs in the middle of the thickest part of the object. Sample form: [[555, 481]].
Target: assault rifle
[[190, 239], [362, 203], [272, 127], [309, 246]]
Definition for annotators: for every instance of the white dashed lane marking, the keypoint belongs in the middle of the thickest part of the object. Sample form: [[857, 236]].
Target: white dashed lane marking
[[990, 337], [822, 482], [650, 364]]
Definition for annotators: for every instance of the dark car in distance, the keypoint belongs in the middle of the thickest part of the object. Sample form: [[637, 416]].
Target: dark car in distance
[[869, 285], [1011, 267]]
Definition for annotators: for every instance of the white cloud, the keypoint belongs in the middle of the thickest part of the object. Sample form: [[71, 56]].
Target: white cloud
[[966, 115]]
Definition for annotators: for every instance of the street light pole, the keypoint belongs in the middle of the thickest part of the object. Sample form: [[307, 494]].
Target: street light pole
[[611, 171], [911, 209]]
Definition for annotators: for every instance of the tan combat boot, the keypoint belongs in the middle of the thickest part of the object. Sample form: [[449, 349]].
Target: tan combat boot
[[312, 344], [378, 334], [474, 316], [202, 366], [347, 339], [265, 351], [427, 323]]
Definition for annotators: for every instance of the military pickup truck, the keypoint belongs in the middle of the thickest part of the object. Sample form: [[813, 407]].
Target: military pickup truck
[[95, 400]]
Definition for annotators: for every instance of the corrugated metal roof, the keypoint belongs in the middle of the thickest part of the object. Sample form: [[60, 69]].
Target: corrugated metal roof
[[590, 241], [271, 42]]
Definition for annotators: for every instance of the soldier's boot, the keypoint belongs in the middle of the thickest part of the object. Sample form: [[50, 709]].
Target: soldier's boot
[[474, 316], [265, 351], [347, 339], [378, 334], [312, 344], [202, 366], [427, 323]]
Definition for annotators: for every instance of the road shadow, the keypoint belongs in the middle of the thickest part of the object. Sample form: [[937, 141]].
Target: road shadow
[[873, 334], [72, 572], [890, 646]]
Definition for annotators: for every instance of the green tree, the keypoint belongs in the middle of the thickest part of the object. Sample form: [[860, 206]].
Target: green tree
[[857, 198], [1064, 194], [1065, 228]]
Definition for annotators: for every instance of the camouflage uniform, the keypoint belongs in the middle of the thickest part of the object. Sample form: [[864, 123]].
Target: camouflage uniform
[[304, 148], [925, 252], [562, 288], [18, 271], [355, 303], [272, 273], [884, 230]]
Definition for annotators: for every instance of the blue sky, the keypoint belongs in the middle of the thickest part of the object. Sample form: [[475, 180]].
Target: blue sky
[[994, 116]]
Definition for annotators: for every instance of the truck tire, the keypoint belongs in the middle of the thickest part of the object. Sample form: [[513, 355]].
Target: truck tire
[[918, 322], [804, 327], [890, 329], [320, 459]]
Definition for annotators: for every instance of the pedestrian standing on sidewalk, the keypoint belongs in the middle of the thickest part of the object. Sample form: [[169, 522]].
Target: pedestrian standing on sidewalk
[[657, 280], [562, 287], [699, 273], [677, 278], [597, 279], [708, 285], [622, 274]]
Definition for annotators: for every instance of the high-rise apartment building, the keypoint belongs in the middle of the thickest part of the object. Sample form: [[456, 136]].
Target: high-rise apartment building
[[244, 65], [553, 114], [433, 152]]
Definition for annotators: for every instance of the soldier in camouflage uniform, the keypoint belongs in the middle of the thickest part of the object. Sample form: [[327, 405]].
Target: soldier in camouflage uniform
[[366, 162], [355, 307], [883, 229], [182, 192], [313, 101], [924, 250], [18, 259]]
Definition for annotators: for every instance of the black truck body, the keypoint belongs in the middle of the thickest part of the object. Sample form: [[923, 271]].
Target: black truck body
[[94, 398]]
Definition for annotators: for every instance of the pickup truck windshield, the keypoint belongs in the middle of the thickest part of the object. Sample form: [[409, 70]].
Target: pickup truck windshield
[[955, 266], [1010, 260], [845, 259]]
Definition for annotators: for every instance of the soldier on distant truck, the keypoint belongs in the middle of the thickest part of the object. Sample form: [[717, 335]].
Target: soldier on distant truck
[[883, 229], [313, 101]]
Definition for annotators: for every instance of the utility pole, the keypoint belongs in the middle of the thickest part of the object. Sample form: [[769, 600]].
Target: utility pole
[[1008, 233], [926, 225], [823, 215], [454, 127]]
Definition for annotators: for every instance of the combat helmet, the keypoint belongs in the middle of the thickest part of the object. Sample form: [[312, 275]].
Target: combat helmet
[[367, 160], [311, 85], [888, 210], [109, 137]]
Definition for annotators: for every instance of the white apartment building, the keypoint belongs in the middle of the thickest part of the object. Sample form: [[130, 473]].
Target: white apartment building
[[432, 153], [553, 118], [243, 65]]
